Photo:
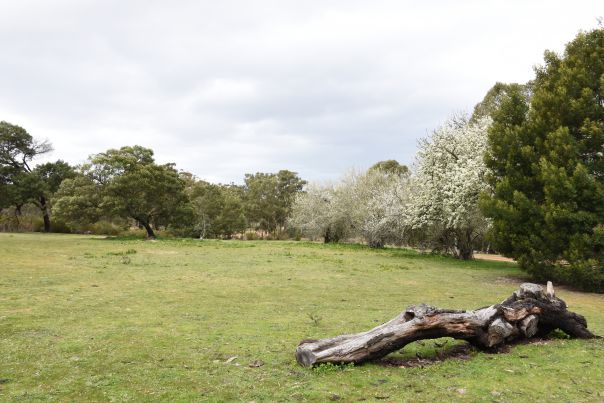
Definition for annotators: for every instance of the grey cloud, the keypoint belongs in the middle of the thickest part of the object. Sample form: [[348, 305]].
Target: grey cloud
[[224, 88]]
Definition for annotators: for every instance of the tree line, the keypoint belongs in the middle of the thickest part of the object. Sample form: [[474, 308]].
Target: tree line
[[522, 175], [125, 186]]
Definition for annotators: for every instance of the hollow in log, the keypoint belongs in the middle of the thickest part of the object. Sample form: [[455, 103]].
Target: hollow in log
[[529, 311]]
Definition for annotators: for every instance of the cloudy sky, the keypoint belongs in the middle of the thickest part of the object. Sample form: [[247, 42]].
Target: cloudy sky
[[225, 87]]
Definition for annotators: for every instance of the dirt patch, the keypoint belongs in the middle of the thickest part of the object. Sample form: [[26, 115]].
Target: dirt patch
[[494, 258], [460, 352]]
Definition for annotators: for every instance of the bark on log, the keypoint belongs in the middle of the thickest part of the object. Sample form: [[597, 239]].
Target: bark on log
[[529, 311]]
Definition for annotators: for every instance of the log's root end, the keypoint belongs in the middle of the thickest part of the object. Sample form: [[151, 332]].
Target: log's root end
[[305, 357], [530, 311]]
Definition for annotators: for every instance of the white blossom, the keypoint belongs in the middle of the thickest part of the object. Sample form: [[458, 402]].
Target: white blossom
[[448, 182]]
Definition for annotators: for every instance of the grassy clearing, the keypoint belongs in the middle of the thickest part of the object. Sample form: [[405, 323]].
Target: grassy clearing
[[88, 319]]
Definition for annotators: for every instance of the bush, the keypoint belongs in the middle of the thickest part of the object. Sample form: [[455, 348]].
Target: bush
[[60, 227], [181, 232], [29, 223], [134, 232], [283, 236], [251, 236], [105, 228]]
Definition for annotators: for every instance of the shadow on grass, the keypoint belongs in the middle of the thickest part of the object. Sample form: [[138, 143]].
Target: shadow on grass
[[463, 352], [458, 352], [408, 253]]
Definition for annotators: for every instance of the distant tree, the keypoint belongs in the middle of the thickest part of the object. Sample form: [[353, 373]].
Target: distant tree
[[21, 189], [130, 185], [17, 151], [496, 96], [547, 163], [49, 177], [289, 184], [319, 212], [269, 198], [390, 166], [207, 202], [367, 205], [218, 209], [231, 219], [261, 200], [22, 182], [386, 207], [78, 200]]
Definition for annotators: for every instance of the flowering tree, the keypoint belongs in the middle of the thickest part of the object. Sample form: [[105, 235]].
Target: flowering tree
[[437, 206], [447, 185], [325, 211], [311, 211], [386, 218], [367, 205]]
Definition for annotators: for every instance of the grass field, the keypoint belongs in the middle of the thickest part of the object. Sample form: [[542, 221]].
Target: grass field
[[92, 319]]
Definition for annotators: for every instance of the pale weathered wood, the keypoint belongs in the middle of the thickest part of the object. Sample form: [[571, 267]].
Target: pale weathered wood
[[529, 311], [550, 290], [498, 331], [528, 326]]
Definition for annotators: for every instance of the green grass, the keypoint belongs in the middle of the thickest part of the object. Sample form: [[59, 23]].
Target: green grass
[[90, 319]]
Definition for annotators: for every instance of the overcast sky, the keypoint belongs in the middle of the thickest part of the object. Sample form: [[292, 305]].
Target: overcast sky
[[222, 88]]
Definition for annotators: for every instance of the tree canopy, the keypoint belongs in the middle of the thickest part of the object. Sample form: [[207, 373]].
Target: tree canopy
[[392, 167], [269, 198], [447, 185], [368, 205], [547, 159], [126, 183], [218, 209], [23, 183]]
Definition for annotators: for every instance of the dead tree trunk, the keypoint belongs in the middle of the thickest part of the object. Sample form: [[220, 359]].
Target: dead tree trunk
[[528, 312]]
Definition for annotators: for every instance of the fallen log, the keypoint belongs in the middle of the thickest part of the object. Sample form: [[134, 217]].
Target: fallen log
[[529, 311]]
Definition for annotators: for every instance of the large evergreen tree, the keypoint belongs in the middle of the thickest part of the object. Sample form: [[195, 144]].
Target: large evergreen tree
[[547, 162]]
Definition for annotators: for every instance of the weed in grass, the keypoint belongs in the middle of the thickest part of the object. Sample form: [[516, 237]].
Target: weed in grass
[[328, 367], [392, 267], [314, 318]]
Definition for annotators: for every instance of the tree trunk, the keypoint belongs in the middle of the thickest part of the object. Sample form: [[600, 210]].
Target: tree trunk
[[147, 226], [376, 243], [464, 244], [18, 214], [327, 238], [45, 215], [529, 311]]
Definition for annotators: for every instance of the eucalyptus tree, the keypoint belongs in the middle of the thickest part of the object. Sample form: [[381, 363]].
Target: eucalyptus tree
[[269, 198], [20, 181], [126, 183]]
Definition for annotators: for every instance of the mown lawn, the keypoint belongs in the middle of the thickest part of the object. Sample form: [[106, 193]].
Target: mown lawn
[[92, 319]]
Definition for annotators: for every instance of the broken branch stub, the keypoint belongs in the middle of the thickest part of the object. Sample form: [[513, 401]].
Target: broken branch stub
[[529, 311]]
